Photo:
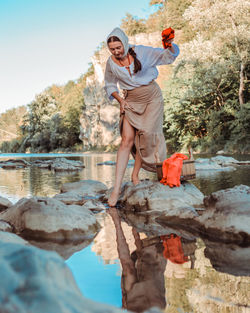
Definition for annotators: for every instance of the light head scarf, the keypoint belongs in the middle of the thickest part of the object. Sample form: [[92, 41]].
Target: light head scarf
[[117, 32]]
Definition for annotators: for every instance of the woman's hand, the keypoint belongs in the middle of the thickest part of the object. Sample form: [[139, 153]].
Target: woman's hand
[[123, 105]]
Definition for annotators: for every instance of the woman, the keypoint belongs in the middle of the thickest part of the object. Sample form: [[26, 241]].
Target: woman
[[141, 108]]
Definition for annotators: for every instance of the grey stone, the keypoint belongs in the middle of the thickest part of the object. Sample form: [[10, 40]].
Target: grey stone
[[37, 281], [4, 203], [4, 226], [227, 215], [86, 188], [50, 219]]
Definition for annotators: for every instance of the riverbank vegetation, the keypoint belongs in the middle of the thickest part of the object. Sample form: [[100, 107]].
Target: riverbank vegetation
[[206, 96]]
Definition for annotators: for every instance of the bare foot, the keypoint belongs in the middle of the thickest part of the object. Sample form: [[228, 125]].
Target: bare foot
[[135, 180], [113, 198]]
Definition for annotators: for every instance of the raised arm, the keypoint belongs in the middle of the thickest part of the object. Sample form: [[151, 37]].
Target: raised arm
[[160, 56]]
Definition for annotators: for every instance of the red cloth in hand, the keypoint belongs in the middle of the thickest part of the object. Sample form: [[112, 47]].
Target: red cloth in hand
[[167, 34], [171, 169]]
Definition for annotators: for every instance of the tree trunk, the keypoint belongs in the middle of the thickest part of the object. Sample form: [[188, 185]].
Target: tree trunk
[[242, 85]]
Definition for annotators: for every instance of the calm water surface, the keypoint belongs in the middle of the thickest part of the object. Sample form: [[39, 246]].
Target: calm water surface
[[127, 268]]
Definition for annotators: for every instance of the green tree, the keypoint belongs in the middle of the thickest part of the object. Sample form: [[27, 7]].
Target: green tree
[[133, 25]]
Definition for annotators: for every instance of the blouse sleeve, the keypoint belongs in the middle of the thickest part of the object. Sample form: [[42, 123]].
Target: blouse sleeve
[[110, 81], [160, 56]]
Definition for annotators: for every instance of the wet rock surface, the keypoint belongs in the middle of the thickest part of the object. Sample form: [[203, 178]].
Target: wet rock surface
[[86, 188], [13, 164], [4, 204], [227, 215], [49, 284], [57, 164], [50, 219]]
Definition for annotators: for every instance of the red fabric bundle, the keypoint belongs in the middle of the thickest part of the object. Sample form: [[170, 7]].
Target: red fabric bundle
[[171, 169], [167, 34], [173, 249]]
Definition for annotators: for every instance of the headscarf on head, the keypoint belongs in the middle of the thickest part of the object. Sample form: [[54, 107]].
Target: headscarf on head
[[117, 32]]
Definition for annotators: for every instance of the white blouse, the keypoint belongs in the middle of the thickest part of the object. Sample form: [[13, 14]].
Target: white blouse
[[149, 57]]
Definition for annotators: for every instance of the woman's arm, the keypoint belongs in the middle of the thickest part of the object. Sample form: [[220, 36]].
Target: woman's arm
[[160, 56], [110, 82]]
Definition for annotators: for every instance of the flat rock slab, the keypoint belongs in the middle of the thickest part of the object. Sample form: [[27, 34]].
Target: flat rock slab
[[143, 204], [4, 204], [59, 164], [13, 164], [87, 188], [50, 219]]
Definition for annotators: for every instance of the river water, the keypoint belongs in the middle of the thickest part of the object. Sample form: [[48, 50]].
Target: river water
[[125, 267]]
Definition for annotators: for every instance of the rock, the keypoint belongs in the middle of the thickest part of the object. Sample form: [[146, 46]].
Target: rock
[[13, 164], [70, 197], [220, 152], [6, 237], [50, 219], [59, 164], [130, 163], [4, 204], [34, 280], [210, 165], [227, 216], [94, 205], [87, 188], [159, 210], [227, 161], [4, 226]]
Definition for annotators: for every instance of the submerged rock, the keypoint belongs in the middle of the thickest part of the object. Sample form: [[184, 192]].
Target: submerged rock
[[50, 219], [4, 204]]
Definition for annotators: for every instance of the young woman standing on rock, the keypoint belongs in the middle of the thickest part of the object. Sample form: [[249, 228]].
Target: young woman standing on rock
[[141, 107]]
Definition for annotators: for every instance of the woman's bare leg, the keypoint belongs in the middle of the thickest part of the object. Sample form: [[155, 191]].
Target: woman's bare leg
[[136, 169], [128, 135]]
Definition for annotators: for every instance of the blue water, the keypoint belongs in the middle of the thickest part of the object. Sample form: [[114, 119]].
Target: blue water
[[98, 281]]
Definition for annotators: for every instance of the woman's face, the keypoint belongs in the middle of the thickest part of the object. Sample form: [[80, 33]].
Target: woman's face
[[116, 48]]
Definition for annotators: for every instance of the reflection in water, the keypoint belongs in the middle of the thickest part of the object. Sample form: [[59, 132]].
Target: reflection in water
[[142, 279]]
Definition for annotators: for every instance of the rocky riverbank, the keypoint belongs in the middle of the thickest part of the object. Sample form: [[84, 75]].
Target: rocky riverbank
[[220, 219]]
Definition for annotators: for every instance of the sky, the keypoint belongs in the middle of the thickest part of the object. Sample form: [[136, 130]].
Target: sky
[[46, 42]]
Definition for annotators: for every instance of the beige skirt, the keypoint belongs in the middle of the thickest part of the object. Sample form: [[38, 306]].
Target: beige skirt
[[146, 116]]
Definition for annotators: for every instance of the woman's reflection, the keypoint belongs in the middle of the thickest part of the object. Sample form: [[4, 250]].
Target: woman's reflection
[[142, 279]]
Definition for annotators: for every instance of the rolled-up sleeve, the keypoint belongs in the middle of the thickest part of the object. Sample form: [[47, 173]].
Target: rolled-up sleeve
[[110, 82], [160, 56]]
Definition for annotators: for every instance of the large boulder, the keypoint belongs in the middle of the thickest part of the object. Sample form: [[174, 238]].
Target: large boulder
[[38, 281], [227, 215], [143, 204], [50, 219], [4, 204]]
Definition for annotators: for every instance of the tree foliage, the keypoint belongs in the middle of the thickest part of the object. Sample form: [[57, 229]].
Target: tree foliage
[[206, 100], [133, 25]]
